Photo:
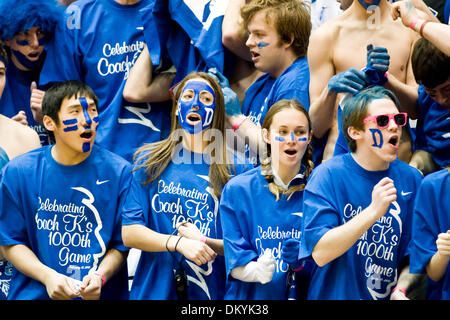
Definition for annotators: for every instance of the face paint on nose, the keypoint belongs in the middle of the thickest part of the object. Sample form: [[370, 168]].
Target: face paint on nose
[[85, 107], [196, 106]]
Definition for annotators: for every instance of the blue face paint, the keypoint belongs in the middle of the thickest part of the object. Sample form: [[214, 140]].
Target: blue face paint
[[376, 132], [72, 125], [302, 139], [26, 62], [85, 107], [206, 112], [282, 139], [262, 44]]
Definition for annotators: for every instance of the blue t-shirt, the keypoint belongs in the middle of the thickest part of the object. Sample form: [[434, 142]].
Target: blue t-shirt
[[253, 221], [69, 216], [338, 190], [16, 97], [431, 217], [5, 266], [433, 128], [181, 193], [93, 44]]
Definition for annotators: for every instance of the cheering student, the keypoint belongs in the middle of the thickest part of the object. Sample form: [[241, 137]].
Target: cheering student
[[358, 207], [260, 210], [60, 207], [176, 187]]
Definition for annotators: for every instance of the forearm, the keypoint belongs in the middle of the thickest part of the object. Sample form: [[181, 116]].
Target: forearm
[[322, 112], [137, 86], [408, 280], [112, 262], [339, 240], [233, 37], [249, 131], [437, 266], [27, 262], [216, 245], [145, 239], [438, 34], [407, 95]]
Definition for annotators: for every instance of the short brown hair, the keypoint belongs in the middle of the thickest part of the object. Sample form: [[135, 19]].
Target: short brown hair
[[289, 17]]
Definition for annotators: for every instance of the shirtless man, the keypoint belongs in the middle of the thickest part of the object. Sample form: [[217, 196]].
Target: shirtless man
[[347, 37]]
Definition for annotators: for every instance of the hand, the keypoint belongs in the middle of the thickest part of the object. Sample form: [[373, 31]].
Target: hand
[[189, 230], [61, 287], [37, 96], [398, 295], [351, 80], [407, 12], [232, 104], [377, 64], [443, 244], [383, 194], [196, 251], [220, 78], [21, 118], [91, 287], [266, 267], [290, 250]]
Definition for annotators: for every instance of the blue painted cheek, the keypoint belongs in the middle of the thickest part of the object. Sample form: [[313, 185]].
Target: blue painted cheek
[[375, 133], [262, 44], [281, 139], [71, 125], [302, 139]]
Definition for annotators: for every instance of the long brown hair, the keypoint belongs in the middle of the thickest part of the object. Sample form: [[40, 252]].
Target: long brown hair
[[155, 157], [266, 168]]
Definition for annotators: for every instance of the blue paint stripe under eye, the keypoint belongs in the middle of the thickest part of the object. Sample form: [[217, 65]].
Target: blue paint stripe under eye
[[279, 139], [302, 139], [70, 121], [262, 44], [71, 128]]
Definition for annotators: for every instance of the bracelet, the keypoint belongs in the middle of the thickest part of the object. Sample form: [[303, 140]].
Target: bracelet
[[167, 242], [237, 125], [176, 244], [203, 238], [298, 269], [399, 289], [421, 28], [101, 275]]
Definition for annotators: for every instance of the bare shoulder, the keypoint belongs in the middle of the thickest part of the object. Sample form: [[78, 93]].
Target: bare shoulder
[[16, 138]]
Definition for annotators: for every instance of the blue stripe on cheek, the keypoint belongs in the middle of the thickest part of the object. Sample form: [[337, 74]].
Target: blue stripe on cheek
[[262, 44], [281, 139], [302, 139], [71, 128], [70, 121]]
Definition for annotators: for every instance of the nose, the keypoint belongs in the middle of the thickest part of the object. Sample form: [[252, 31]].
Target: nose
[[33, 40], [250, 41]]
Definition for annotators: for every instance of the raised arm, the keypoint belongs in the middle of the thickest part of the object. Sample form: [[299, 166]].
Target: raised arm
[[141, 86], [233, 36]]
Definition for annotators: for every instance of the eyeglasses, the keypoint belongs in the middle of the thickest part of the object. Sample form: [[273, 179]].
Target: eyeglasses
[[382, 120]]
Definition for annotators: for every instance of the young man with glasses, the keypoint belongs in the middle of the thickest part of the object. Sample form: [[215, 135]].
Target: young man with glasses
[[358, 207]]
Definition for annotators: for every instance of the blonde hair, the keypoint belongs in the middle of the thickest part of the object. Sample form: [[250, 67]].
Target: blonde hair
[[155, 157], [266, 167]]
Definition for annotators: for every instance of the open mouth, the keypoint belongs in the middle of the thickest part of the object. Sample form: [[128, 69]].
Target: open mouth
[[34, 55], [394, 141], [291, 152], [193, 118], [255, 55], [86, 135]]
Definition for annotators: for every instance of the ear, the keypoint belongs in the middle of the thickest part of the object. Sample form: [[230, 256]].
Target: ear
[[265, 135], [289, 44], [49, 124], [355, 134]]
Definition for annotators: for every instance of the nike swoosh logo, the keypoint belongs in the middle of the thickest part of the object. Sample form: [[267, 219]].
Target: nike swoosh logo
[[140, 28], [101, 182], [405, 193], [300, 214]]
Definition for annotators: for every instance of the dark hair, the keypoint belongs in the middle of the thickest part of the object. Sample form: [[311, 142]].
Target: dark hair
[[3, 54], [291, 18], [430, 65], [55, 95], [355, 109]]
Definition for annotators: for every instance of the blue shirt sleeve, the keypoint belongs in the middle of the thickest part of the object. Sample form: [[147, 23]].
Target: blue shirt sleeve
[[136, 203]]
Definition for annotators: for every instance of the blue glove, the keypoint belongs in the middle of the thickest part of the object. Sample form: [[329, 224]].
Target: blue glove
[[232, 104], [377, 64], [290, 250], [351, 80], [221, 79]]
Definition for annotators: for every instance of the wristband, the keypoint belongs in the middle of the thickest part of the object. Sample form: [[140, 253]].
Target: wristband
[[421, 28], [237, 125], [203, 238], [413, 23], [101, 275], [399, 289], [298, 269]]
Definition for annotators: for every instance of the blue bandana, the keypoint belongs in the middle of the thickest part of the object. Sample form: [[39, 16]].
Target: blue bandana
[[367, 3], [185, 108]]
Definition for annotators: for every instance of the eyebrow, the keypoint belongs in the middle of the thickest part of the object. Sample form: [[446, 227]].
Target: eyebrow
[[75, 105]]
